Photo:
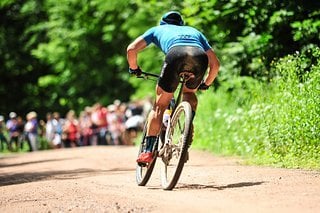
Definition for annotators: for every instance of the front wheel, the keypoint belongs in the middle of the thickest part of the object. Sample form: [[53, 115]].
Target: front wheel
[[175, 150], [144, 171]]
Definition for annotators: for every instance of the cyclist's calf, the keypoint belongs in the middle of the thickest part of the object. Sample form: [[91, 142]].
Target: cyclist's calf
[[155, 119], [192, 99]]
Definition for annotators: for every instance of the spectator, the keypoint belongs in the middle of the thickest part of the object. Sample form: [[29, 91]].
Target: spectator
[[71, 130], [57, 123], [85, 125], [31, 130], [13, 128], [50, 130], [147, 106], [115, 125], [22, 136], [122, 117], [3, 139], [134, 122], [99, 120]]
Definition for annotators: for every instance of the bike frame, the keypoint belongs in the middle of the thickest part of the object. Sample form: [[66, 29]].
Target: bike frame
[[164, 146]]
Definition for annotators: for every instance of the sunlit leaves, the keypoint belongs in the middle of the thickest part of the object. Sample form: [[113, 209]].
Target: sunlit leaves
[[271, 123], [82, 43], [306, 30], [47, 80]]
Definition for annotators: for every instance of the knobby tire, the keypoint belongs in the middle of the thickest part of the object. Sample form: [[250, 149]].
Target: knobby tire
[[143, 173], [183, 109]]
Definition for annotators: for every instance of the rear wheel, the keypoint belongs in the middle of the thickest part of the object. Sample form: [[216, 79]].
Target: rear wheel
[[175, 150], [144, 171]]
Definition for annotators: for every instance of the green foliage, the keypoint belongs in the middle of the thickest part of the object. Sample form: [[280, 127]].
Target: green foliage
[[80, 37], [4, 3], [275, 123], [19, 71], [259, 31], [307, 30], [71, 53]]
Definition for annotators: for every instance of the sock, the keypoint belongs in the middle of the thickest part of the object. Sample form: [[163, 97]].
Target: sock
[[150, 142]]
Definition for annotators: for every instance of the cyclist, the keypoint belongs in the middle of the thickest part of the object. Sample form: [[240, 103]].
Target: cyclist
[[186, 49]]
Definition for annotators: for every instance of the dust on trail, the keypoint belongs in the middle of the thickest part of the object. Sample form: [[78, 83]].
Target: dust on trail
[[102, 179]]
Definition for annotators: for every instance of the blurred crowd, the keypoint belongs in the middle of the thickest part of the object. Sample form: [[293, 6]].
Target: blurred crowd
[[115, 124]]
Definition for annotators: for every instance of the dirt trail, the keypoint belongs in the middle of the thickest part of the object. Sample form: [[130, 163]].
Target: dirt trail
[[102, 179]]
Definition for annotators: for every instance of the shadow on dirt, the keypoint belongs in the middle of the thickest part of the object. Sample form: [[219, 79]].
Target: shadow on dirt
[[229, 186], [2, 165], [27, 177]]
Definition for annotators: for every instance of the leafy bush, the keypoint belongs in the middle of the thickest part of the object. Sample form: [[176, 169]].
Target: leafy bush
[[271, 123]]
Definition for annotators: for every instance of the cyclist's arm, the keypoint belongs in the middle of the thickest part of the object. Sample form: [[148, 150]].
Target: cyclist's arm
[[214, 65], [132, 51]]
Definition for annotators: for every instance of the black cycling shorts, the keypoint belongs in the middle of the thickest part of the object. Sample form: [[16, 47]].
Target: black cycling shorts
[[181, 59]]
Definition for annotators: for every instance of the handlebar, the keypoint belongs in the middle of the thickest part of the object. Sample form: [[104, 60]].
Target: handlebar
[[146, 74], [184, 76]]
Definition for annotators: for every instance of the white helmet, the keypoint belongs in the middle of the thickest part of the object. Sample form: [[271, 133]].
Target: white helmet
[[12, 115]]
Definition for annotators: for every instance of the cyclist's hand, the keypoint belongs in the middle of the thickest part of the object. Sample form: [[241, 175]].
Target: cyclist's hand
[[136, 72], [203, 86]]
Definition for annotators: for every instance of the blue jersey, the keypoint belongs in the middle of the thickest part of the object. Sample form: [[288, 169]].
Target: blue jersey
[[167, 36]]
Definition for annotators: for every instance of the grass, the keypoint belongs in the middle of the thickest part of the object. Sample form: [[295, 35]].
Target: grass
[[273, 122]]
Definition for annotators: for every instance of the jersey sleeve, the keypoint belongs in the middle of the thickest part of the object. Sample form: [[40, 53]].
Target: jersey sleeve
[[148, 36], [204, 42]]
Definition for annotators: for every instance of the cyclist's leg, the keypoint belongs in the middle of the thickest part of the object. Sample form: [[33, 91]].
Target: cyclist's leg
[[197, 61], [190, 96], [165, 88], [155, 117], [154, 123]]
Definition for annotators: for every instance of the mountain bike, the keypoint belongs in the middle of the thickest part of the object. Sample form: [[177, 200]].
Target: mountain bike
[[173, 142]]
